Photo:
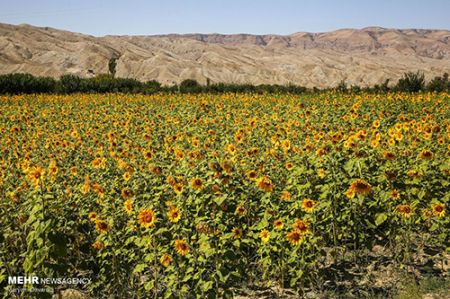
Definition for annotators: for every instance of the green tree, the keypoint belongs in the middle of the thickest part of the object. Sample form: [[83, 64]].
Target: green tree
[[112, 66]]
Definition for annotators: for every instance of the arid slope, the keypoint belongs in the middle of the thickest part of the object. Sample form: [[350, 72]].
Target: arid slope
[[364, 57]]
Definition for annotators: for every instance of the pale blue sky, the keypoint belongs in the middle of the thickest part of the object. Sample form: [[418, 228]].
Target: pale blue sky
[[232, 16]]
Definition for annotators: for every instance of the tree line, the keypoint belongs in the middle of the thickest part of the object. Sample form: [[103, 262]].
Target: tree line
[[19, 83]]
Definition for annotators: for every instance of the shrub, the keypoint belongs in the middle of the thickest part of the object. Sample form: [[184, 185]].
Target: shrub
[[190, 86], [439, 84], [25, 83], [70, 84], [152, 87], [411, 82]]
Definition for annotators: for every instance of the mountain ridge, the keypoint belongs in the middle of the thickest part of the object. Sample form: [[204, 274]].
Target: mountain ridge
[[363, 57]]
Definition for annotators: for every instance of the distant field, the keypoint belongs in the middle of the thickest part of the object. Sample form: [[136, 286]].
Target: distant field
[[205, 195]]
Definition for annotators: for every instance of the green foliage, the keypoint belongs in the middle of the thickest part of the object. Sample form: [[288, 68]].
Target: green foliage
[[190, 86], [342, 86], [90, 149], [383, 88], [412, 289], [25, 83], [71, 84], [411, 82], [108, 83], [112, 63], [439, 84], [152, 86]]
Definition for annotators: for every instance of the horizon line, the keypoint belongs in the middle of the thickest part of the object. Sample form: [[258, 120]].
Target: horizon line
[[225, 34]]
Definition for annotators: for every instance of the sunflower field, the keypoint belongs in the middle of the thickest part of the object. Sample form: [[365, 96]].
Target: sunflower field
[[196, 196]]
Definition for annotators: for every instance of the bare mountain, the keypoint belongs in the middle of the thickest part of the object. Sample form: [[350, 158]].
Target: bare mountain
[[365, 57]]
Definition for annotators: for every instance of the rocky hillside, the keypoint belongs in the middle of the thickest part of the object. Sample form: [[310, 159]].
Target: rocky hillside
[[364, 57]]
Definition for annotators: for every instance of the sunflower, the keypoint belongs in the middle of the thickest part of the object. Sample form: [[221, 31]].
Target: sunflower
[[265, 184], [295, 237], [97, 245], [73, 171], [278, 224], [35, 175], [438, 209], [301, 226], [399, 136], [321, 151], [289, 165], [146, 218], [165, 260], [374, 143], [85, 188], [155, 169], [285, 195], [92, 216], [350, 193], [174, 214], [252, 151], [13, 196], [321, 173], [308, 205], [182, 247], [238, 137], [179, 154], [237, 233], [99, 190], [96, 163], [241, 210], [197, 184], [195, 142], [204, 229], [128, 205], [286, 145], [171, 180], [126, 176], [101, 226], [426, 154], [127, 193], [360, 186], [148, 155], [178, 188], [53, 168], [395, 194], [264, 235], [74, 134], [427, 136], [389, 155], [227, 167], [426, 213], [414, 173], [404, 210], [251, 174], [230, 148]]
